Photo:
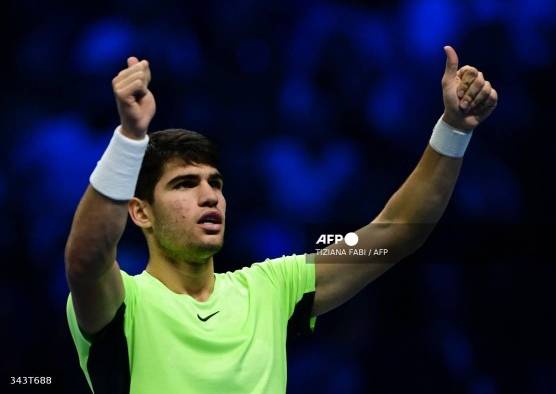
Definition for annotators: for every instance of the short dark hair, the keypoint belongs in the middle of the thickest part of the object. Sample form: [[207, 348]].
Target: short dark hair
[[165, 145]]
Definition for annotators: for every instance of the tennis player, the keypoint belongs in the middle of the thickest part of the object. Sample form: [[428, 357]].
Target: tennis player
[[179, 327]]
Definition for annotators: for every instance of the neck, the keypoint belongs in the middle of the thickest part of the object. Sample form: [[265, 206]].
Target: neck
[[184, 277]]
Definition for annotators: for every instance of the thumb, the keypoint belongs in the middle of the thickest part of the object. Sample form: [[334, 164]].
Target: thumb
[[451, 62], [131, 61]]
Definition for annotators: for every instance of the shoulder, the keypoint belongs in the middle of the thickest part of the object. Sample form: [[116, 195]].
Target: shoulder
[[272, 270]]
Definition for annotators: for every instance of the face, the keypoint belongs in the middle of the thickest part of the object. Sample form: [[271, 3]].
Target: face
[[189, 211]]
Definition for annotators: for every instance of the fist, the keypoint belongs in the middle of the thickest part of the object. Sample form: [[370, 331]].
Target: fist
[[135, 101], [468, 97]]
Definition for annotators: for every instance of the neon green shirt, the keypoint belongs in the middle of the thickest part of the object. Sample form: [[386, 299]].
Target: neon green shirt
[[234, 342]]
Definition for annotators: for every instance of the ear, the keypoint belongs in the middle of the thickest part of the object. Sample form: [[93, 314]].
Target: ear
[[140, 212]]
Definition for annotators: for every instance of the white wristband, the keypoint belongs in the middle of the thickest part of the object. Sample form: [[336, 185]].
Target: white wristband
[[449, 141], [116, 173]]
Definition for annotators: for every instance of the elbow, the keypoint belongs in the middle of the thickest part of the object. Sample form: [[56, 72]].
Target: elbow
[[74, 261], [85, 262], [70, 254]]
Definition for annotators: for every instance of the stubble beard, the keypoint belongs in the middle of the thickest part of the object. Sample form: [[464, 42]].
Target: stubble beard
[[188, 247]]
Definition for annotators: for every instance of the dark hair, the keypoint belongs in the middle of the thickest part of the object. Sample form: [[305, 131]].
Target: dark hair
[[164, 145]]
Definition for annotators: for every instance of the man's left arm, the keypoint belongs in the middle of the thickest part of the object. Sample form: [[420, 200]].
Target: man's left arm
[[412, 212]]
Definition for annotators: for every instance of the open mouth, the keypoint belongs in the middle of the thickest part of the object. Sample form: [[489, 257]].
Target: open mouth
[[211, 221]]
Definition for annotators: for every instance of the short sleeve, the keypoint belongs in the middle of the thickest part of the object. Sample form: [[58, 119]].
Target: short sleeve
[[294, 276], [82, 342]]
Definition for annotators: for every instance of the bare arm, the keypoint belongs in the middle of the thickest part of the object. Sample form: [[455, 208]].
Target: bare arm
[[92, 272], [401, 227], [412, 212]]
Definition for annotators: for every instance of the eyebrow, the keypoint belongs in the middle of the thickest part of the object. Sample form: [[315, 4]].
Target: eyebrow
[[195, 177]]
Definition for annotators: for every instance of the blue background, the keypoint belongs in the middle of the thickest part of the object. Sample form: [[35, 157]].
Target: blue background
[[320, 110]]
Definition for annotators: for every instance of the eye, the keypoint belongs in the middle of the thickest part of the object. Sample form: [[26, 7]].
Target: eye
[[185, 184], [217, 184]]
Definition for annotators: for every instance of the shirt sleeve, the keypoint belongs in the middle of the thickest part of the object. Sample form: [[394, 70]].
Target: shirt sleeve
[[294, 276], [83, 342]]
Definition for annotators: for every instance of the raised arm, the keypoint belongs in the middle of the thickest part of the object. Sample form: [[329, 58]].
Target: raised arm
[[92, 272], [412, 212]]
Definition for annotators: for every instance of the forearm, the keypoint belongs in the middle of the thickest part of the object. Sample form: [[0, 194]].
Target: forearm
[[101, 216], [97, 227], [424, 195], [415, 208]]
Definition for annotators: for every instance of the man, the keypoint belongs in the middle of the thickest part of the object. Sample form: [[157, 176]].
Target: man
[[180, 328]]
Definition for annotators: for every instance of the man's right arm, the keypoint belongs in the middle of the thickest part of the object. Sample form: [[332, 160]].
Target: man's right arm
[[92, 271]]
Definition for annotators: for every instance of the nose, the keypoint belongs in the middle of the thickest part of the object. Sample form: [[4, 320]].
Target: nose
[[207, 195]]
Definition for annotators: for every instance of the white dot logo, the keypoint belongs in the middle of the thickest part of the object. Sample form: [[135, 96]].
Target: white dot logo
[[351, 239]]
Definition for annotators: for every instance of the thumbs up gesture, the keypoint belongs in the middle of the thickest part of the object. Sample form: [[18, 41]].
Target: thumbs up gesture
[[468, 98], [135, 101]]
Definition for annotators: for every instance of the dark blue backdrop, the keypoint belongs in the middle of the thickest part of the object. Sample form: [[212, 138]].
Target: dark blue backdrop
[[320, 109]]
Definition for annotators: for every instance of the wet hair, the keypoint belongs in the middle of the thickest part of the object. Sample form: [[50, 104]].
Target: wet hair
[[165, 145]]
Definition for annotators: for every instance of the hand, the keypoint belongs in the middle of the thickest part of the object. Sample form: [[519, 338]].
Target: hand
[[135, 101], [468, 98]]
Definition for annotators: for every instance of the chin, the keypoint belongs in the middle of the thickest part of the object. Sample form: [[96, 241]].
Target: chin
[[213, 245]]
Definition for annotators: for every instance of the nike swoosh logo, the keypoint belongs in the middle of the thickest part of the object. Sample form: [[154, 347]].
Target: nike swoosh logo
[[208, 317]]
